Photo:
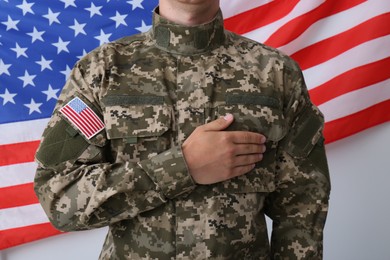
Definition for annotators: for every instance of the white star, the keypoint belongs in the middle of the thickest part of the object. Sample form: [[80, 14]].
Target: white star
[[136, 4], [27, 79], [19, 51], [8, 97], [11, 24], [119, 19], [82, 55], [36, 35], [94, 10], [68, 3], [45, 64], [78, 28], [34, 107], [61, 45], [4, 68], [66, 72], [103, 38], [51, 93], [143, 27], [26, 7], [52, 17]]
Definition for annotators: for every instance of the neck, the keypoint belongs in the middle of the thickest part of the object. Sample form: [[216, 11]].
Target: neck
[[189, 13]]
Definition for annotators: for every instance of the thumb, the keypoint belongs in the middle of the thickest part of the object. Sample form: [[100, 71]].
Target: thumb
[[219, 124]]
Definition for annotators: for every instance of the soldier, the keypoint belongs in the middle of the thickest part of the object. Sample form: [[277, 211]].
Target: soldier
[[181, 139]]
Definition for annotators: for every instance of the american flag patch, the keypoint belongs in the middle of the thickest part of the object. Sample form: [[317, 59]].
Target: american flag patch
[[83, 117]]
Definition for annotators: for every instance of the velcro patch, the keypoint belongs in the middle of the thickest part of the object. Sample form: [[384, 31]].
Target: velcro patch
[[83, 117]]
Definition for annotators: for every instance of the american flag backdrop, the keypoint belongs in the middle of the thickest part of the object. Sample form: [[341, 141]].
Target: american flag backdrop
[[343, 47]]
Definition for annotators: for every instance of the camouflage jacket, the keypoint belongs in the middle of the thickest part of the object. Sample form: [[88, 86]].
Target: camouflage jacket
[[151, 91]]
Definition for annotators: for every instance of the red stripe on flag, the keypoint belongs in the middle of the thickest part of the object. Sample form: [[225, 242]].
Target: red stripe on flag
[[17, 236], [333, 46], [260, 16], [354, 79], [352, 124], [90, 121], [18, 153], [19, 195], [297, 26], [97, 122]]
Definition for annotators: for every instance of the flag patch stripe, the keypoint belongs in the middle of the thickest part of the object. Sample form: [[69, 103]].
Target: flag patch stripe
[[83, 117]]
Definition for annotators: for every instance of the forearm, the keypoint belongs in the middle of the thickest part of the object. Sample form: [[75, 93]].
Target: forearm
[[299, 206], [88, 196]]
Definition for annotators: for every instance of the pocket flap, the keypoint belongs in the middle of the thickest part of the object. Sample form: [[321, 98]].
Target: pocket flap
[[136, 120], [306, 133]]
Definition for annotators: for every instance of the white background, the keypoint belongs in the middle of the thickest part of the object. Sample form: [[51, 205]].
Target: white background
[[358, 226]]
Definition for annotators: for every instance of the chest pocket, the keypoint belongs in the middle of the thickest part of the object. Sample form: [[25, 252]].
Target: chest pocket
[[260, 116], [137, 126]]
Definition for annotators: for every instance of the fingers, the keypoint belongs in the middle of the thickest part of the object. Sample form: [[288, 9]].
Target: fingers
[[219, 124], [238, 137], [244, 154], [241, 137], [242, 149], [247, 160], [242, 160]]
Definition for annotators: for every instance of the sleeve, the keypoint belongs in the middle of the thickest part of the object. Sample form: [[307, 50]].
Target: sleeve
[[299, 205], [78, 182]]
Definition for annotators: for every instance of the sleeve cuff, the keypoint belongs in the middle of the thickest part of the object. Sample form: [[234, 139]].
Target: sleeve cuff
[[169, 171]]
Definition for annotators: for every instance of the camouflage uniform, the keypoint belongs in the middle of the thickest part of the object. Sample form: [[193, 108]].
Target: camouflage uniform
[[152, 90]]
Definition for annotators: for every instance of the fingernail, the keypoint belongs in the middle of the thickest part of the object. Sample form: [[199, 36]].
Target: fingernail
[[228, 117]]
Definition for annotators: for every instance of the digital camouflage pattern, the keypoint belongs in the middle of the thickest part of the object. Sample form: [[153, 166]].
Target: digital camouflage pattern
[[152, 90]]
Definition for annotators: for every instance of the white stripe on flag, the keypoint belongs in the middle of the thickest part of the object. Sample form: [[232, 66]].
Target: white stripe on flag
[[35, 214], [263, 33], [233, 7], [363, 54], [17, 174], [19, 132], [356, 101], [325, 28]]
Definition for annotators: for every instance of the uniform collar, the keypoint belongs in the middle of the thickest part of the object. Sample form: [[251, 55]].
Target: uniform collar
[[187, 40]]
